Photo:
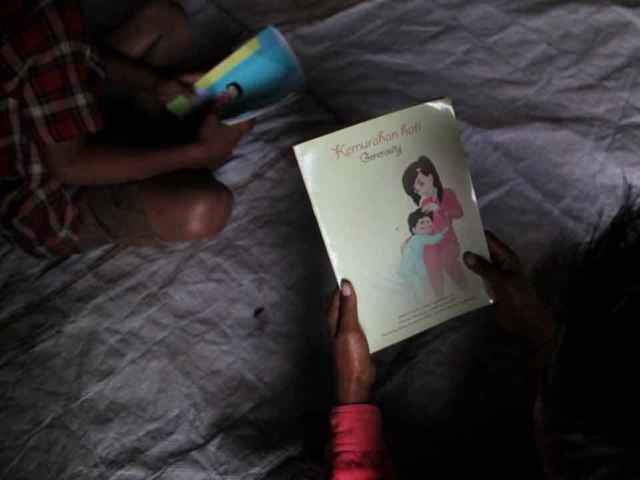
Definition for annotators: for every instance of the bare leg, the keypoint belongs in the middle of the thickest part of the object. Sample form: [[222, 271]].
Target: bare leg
[[157, 34], [184, 205]]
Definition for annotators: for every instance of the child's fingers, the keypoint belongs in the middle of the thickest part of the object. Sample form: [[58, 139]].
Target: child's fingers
[[246, 126], [191, 77], [190, 94], [220, 104], [235, 132]]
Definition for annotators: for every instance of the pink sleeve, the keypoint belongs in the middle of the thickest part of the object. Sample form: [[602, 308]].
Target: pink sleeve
[[451, 205], [357, 450]]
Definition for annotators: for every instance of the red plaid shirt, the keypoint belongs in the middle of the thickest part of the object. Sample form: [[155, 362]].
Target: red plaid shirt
[[51, 78]]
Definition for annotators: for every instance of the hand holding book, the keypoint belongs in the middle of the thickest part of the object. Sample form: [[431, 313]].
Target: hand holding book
[[169, 88], [354, 368], [409, 168], [263, 74], [518, 307], [357, 444]]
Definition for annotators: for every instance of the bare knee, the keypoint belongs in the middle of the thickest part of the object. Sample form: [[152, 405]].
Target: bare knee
[[186, 206], [174, 41], [206, 214], [158, 33], [165, 15]]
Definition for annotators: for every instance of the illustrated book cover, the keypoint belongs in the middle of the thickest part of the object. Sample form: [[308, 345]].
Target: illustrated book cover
[[396, 208], [263, 74]]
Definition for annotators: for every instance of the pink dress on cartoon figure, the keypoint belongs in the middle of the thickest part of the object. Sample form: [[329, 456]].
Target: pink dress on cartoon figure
[[444, 256], [422, 183]]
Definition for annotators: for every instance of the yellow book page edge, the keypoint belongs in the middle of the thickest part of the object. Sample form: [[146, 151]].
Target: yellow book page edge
[[229, 63]]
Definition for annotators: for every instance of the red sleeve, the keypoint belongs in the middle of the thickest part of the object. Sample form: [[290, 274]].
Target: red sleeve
[[358, 451], [451, 205]]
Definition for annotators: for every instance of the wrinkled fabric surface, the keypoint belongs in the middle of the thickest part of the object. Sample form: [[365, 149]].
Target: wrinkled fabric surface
[[210, 360]]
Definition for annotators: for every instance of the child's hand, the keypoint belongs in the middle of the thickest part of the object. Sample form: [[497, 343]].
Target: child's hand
[[168, 89], [163, 90], [518, 307], [218, 141], [355, 371]]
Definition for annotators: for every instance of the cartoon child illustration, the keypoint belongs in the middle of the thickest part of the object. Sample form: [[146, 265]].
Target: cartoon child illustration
[[422, 183], [412, 267]]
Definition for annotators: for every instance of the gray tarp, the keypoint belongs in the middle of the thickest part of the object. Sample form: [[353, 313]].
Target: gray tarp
[[157, 362]]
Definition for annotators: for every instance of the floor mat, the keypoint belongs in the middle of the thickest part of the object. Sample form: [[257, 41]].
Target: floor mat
[[210, 360]]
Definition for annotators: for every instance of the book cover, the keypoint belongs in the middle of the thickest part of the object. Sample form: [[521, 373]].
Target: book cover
[[264, 73], [395, 204]]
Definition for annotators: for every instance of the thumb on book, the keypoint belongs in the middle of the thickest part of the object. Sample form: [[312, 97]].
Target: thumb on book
[[348, 307], [481, 267]]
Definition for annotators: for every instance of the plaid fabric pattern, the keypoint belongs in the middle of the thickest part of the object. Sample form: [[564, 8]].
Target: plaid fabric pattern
[[51, 78]]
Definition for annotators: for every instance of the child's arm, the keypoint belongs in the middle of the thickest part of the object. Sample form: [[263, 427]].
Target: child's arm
[[424, 240], [81, 162], [358, 451]]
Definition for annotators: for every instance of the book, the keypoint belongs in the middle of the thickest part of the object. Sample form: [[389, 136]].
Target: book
[[263, 74], [396, 208]]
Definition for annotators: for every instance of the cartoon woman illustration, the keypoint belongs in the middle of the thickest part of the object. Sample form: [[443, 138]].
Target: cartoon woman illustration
[[422, 183]]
